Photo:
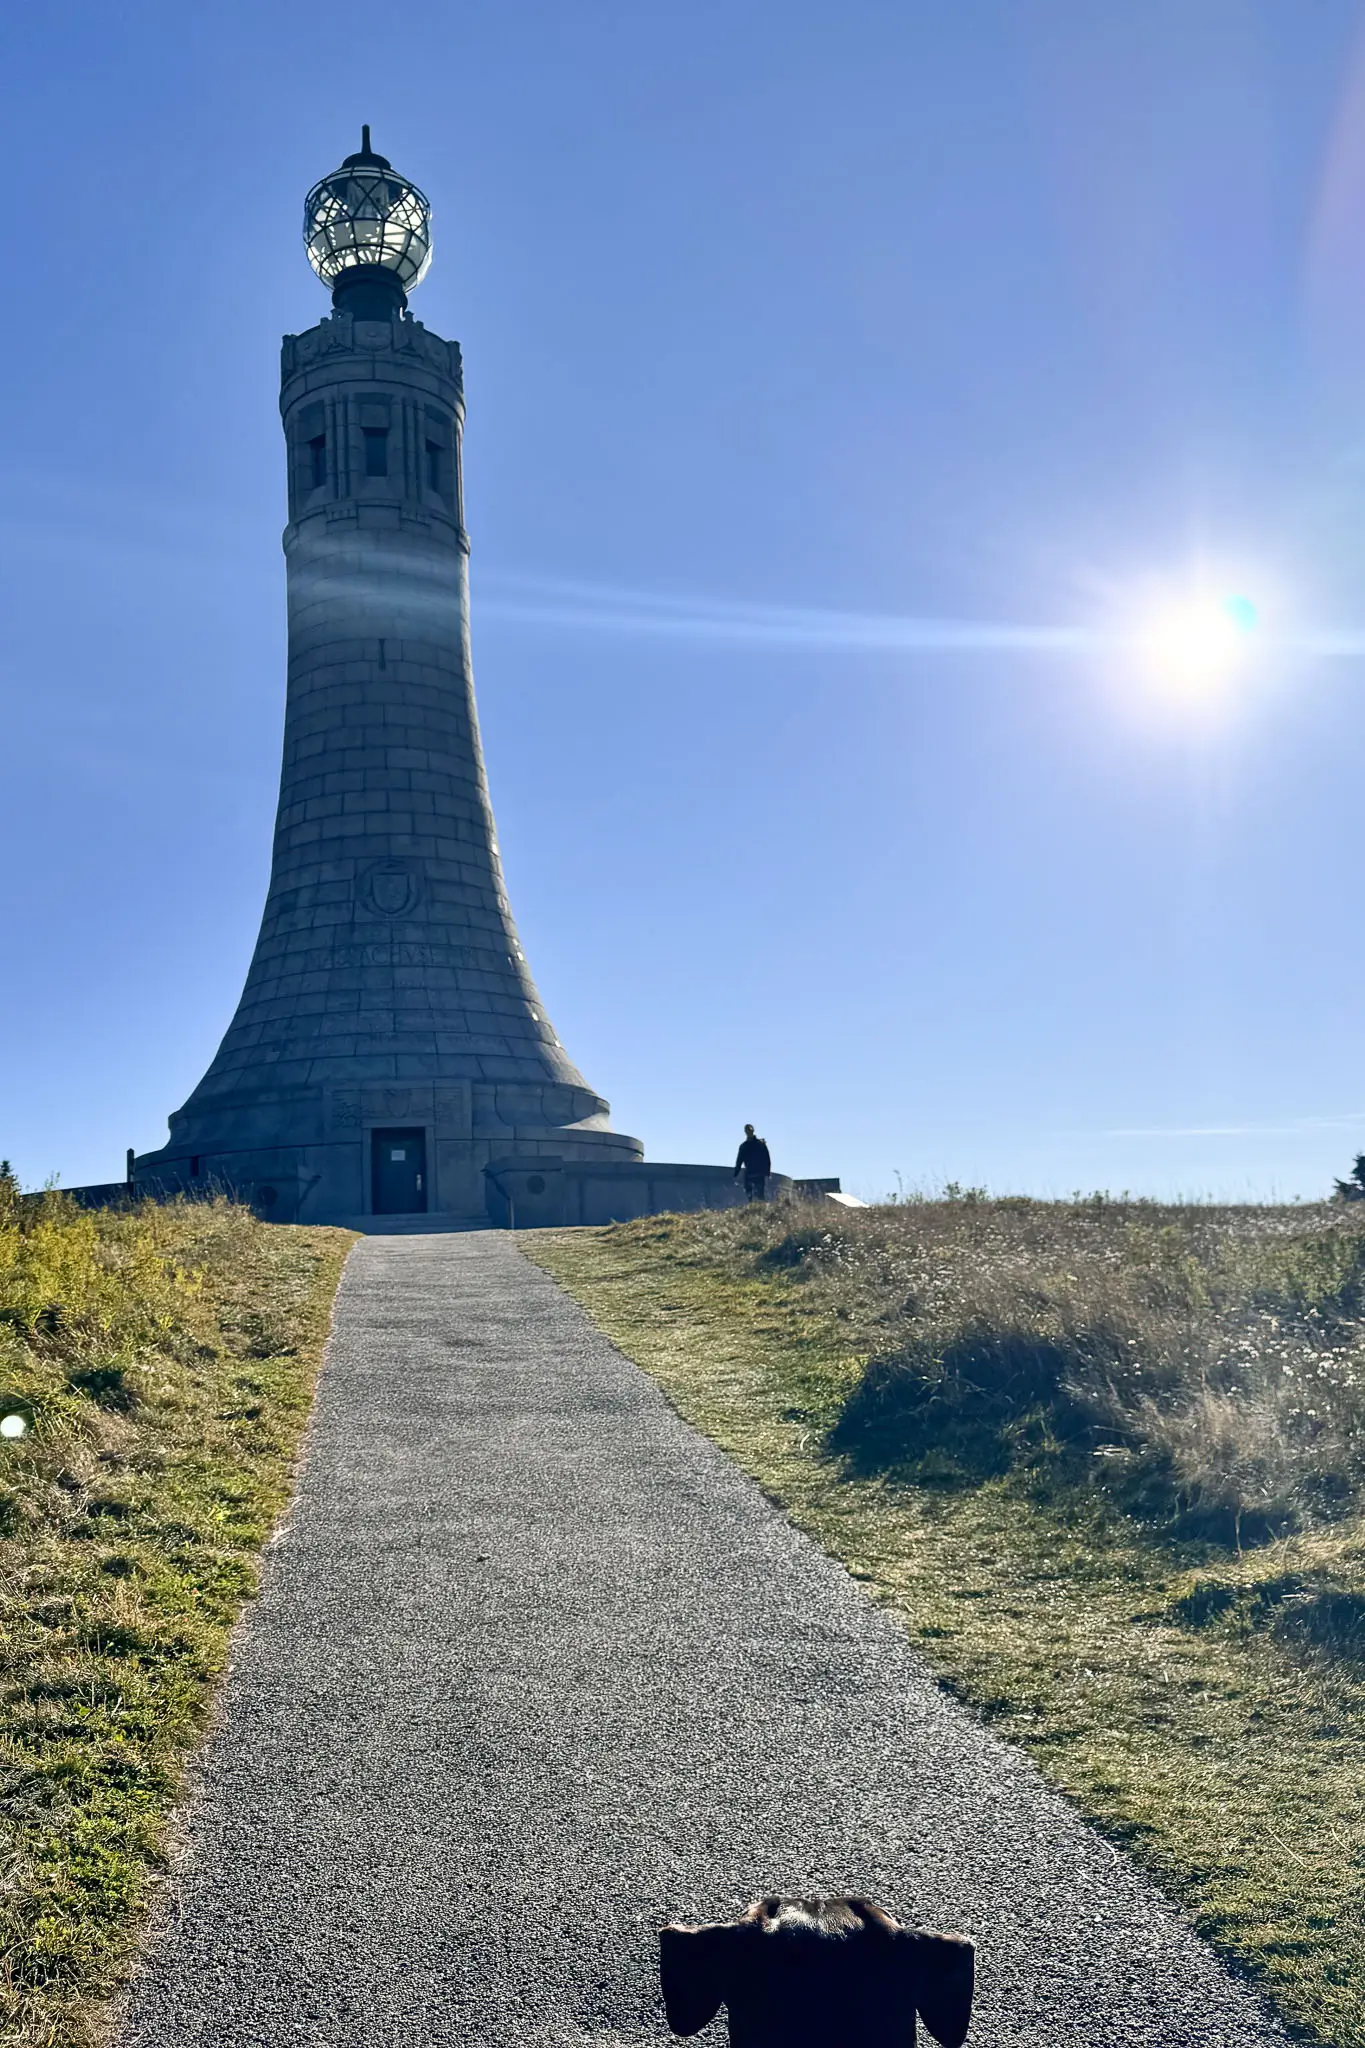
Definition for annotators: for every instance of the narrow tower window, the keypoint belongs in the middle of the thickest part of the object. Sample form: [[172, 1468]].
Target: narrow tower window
[[317, 458], [376, 451], [435, 480]]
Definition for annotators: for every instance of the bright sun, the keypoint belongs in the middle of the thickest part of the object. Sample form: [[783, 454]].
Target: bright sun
[[1196, 643]]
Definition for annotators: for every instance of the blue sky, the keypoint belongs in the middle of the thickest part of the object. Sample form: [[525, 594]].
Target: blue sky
[[846, 388]]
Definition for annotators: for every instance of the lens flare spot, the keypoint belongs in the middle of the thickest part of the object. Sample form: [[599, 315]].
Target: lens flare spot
[[1197, 642]]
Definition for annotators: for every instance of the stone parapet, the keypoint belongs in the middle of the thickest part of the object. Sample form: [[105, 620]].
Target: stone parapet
[[551, 1192]]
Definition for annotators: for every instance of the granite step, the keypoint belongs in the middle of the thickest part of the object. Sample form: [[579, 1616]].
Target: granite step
[[432, 1222]]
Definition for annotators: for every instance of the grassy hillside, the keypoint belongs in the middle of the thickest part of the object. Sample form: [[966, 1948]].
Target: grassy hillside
[[1106, 1462], [162, 1362]]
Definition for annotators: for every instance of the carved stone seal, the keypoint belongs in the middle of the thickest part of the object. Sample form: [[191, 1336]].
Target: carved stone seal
[[389, 888]]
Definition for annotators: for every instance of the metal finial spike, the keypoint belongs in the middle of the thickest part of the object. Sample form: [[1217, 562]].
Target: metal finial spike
[[365, 138]]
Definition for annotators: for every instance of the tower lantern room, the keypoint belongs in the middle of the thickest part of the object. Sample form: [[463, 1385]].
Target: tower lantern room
[[368, 234]]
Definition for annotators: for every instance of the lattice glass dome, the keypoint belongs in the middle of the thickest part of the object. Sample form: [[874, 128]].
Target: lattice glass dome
[[365, 214]]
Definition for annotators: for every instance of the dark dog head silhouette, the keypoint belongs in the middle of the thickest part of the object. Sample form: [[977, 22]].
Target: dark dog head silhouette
[[818, 1973]]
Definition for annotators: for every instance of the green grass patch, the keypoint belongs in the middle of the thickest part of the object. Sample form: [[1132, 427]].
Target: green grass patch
[[1059, 1443], [163, 1360]]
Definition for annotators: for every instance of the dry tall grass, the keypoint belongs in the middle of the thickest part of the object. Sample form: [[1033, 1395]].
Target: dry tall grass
[[1204, 1366]]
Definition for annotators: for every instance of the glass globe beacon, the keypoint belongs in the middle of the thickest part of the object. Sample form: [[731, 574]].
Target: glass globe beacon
[[365, 219]]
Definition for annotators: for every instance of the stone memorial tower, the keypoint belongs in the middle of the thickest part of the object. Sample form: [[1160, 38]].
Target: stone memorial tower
[[389, 1044]]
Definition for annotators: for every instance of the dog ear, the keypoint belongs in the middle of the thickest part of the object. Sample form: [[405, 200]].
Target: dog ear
[[695, 1968], [942, 1973]]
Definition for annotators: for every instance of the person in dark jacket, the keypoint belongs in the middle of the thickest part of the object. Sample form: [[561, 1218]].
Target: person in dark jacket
[[754, 1161]]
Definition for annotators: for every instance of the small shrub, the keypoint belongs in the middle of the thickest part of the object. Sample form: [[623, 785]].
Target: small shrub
[[1208, 1600], [107, 1384], [1331, 1621], [971, 1399], [798, 1248], [1309, 1614]]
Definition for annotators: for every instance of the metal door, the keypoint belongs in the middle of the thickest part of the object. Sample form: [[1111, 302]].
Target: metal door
[[400, 1172]]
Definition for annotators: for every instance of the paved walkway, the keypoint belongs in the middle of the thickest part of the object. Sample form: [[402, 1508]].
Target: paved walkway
[[534, 1669]]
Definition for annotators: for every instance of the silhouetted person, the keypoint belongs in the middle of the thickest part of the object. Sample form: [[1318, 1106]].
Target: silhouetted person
[[754, 1161]]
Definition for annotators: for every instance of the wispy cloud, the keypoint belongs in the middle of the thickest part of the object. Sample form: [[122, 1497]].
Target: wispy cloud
[[1293, 1127]]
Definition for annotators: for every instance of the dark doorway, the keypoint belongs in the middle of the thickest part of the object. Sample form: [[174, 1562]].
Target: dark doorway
[[400, 1172]]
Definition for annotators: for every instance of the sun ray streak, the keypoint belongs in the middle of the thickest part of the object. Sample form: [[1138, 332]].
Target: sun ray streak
[[606, 609]]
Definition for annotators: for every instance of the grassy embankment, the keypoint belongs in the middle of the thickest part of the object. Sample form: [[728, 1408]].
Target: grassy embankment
[[164, 1360], [1106, 1462]]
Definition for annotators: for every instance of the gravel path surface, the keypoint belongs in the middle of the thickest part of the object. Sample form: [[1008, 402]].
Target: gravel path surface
[[535, 1669]]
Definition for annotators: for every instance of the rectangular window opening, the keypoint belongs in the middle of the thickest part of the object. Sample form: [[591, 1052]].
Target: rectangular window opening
[[376, 450], [317, 456], [434, 480]]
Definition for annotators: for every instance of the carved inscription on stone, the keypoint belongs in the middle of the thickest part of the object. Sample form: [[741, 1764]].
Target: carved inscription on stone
[[454, 1112], [449, 1108], [401, 953], [391, 1105]]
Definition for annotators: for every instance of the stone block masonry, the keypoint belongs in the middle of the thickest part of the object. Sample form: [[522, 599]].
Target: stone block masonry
[[389, 1005]]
